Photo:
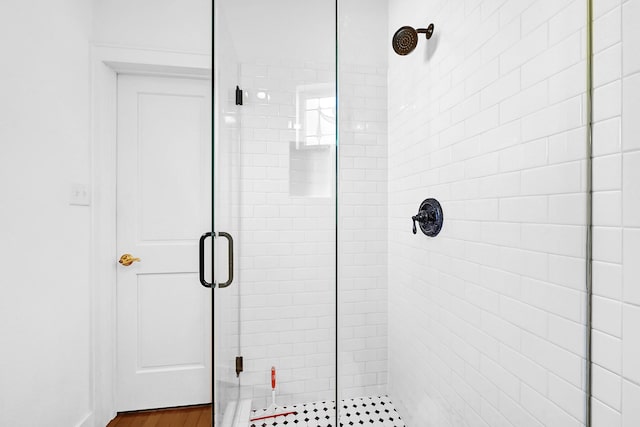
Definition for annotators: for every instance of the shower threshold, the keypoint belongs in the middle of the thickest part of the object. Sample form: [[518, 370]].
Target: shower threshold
[[372, 411]]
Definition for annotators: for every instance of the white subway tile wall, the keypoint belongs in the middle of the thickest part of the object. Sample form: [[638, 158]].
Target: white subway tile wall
[[285, 244], [616, 304], [285, 236], [486, 321], [362, 231]]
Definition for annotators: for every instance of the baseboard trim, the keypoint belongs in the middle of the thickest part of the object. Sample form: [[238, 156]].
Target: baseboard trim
[[87, 421]]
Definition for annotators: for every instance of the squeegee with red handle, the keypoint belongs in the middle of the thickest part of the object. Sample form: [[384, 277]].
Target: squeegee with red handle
[[273, 411]]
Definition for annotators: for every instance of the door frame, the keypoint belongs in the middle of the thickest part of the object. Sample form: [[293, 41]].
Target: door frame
[[107, 62]]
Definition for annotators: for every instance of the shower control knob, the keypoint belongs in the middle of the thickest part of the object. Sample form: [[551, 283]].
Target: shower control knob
[[429, 217], [420, 218]]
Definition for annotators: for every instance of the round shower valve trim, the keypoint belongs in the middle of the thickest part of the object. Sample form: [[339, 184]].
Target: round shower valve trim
[[429, 217]]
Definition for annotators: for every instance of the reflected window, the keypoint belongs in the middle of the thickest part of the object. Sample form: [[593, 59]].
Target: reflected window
[[311, 155], [316, 114]]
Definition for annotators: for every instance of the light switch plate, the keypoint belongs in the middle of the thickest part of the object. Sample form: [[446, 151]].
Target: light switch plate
[[79, 195]]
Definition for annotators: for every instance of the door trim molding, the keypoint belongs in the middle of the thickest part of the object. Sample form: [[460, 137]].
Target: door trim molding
[[106, 63]]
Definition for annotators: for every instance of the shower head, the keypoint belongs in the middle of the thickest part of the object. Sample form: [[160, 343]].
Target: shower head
[[405, 39]]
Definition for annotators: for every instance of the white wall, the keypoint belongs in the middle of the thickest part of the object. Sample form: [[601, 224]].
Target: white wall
[[362, 37], [44, 244], [44, 148], [177, 25], [282, 29], [305, 30], [616, 146], [486, 320]]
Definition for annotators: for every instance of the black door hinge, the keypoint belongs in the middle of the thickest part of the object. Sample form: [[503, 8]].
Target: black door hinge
[[238, 95], [238, 365]]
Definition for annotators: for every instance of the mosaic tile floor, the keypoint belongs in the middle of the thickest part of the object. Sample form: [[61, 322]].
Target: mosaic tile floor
[[375, 411]]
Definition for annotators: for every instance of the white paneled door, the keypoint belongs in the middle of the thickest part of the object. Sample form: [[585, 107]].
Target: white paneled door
[[163, 206]]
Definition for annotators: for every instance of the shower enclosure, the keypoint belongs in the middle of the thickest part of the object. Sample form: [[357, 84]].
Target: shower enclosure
[[327, 142]]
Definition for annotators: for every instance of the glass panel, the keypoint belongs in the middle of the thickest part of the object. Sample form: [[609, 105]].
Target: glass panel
[[275, 193], [225, 218], [364, 344]]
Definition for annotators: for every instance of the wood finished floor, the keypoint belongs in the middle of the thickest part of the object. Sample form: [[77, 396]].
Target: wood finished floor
[[193, 416]]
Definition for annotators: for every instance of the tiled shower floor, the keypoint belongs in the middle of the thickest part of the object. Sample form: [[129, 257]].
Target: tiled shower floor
[[374, 411]]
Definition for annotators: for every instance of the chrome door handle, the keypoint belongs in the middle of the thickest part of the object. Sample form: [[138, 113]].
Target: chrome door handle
[[229, 259]]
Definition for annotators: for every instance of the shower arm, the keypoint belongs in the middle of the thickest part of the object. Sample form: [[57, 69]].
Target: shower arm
[[428, 32]]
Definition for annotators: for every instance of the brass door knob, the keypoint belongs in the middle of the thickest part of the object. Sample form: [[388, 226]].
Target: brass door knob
[[128, 259]]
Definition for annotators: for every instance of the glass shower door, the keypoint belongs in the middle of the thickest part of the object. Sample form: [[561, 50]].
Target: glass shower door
[[226, 328], [275, 198]]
